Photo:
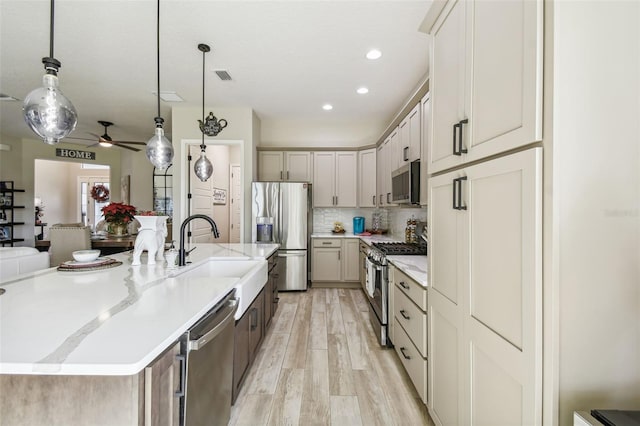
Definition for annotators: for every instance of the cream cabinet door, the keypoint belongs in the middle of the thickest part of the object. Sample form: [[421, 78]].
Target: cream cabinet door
[[270, 166], [298, 166], [486, 80], [380, 174], [326, 264], [425, 124], [502, 303], [346, 179], [324, 177], [447, 85], [350, 259], [395, 153], [367, 178], [410, 143], [485, 295], [506, 78]]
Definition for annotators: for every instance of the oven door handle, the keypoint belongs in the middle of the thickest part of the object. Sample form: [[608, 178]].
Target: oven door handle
[[375, 264]]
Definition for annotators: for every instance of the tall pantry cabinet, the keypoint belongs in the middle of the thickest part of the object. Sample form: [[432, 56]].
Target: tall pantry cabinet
[[485, 220]]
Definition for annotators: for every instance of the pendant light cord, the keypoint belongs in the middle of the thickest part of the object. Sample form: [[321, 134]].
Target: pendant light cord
[[202, 147], [51, 30], [158, 58]]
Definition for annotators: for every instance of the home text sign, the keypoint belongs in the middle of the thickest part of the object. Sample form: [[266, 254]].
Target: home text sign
[[74, 153]]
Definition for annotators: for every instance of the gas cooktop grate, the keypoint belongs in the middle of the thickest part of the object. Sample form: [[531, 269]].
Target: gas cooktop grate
[[401, 248]]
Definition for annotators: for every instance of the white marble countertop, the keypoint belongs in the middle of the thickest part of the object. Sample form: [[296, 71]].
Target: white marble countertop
[[108, 322], [416, 267]]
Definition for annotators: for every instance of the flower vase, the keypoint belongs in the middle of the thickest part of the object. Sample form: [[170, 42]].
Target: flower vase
[[117, 229], [151, 236]]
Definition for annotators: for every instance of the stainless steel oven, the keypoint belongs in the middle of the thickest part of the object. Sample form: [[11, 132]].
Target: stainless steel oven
[[377, 283], [377, 290]]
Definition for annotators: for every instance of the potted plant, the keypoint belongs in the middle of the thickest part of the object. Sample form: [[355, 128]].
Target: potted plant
[[118, 216]]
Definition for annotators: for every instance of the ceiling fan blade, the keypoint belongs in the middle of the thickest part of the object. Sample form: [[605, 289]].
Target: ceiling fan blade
[[96, 135], [80, 139], [130, 142], [92, 145], [125, 147]]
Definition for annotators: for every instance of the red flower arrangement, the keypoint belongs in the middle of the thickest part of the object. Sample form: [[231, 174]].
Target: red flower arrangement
[[118, 213]]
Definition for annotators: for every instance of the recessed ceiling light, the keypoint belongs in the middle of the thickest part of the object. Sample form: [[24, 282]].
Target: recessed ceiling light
[[327, 107], [362, 90], [169, 96], [374, 54]]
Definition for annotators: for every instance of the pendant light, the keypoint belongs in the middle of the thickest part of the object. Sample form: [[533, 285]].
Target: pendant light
[[46, 110], [203, 167], [159, 149]]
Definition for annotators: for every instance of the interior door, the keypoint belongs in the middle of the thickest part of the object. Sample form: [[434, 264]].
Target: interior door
[[89, 209], [201, 201]]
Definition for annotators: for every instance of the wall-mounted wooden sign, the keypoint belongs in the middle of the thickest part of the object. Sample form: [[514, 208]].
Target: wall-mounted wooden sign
[[219, 196], [74, 153]]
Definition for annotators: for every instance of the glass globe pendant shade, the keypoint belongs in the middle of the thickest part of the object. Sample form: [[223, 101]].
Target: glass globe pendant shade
[[159, 150], [203, 167], [48, 112]]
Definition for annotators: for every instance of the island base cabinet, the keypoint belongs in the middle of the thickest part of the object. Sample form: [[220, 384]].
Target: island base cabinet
[[147, 398], [249, 333]]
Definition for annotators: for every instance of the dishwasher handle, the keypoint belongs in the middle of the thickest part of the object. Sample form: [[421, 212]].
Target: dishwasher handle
[[230, 309]]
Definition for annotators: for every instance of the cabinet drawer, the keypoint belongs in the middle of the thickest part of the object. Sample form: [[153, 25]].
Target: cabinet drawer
[[415, 291], [413, 320], [327, 242], [415, 365]]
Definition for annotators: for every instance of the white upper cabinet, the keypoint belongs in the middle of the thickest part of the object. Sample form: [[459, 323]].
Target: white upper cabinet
[[410, 131], [298, 166], [367, 178], [394, 154], [425, 125], [270, 166], [486, 80], [380, 168], [336, 179], [292, 166]]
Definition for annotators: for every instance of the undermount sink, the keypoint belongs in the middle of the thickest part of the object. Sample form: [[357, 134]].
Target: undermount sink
[[252, 275]]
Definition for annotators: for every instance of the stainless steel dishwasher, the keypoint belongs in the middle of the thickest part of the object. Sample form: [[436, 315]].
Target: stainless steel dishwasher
[[208, 349]]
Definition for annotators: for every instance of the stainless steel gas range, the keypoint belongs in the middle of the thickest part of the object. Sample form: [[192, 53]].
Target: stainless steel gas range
[[377, 282]]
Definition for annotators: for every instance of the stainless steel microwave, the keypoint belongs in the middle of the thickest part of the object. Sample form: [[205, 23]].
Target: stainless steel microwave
[[405, 184]]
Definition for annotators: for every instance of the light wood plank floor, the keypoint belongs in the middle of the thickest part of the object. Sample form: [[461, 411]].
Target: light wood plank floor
[[320, 364]]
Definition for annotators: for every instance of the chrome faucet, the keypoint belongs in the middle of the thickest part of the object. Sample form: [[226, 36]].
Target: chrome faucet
[[182, 254]]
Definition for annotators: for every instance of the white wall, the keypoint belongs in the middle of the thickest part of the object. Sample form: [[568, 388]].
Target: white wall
[[595, 212], [242, 130], [18, 165]]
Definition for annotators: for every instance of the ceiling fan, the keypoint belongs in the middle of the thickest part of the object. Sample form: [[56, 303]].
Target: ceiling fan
[[106, 140]]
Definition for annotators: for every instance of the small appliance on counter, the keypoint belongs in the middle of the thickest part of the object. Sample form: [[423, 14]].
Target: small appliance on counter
[[358, 225]]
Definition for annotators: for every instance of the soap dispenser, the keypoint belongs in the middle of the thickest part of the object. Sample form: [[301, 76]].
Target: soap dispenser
[[172, 255]]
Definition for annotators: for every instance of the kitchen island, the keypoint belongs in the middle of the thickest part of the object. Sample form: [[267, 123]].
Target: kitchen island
[[84, 337]]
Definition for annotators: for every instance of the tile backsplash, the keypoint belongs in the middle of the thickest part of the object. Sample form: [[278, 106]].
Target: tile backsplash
[[396, 218]]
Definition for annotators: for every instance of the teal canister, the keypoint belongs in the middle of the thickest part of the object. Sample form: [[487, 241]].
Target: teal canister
[[358, 225]]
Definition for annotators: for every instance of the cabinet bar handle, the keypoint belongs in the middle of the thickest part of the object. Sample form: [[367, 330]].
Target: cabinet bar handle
[[404, 314], [405, 286], [338, 255], [374, 200], [405, 153], [281, 178], [182, 359], [462, 150], [380, 203], [460, 206], [404, 354], [455, 198], [336, 200], [388, 195], [326, 242], [287, 174], [455, 145]]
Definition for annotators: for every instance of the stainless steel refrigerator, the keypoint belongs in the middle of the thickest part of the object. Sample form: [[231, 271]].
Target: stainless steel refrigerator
[[281, 213]]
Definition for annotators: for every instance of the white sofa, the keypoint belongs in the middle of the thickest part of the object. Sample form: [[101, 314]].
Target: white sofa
[[20, 260]]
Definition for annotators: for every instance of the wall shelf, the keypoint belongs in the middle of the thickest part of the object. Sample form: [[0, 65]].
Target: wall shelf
[[7, 208]]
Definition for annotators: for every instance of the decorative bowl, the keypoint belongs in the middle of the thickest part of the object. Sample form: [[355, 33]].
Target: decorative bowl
[[85, 255]]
